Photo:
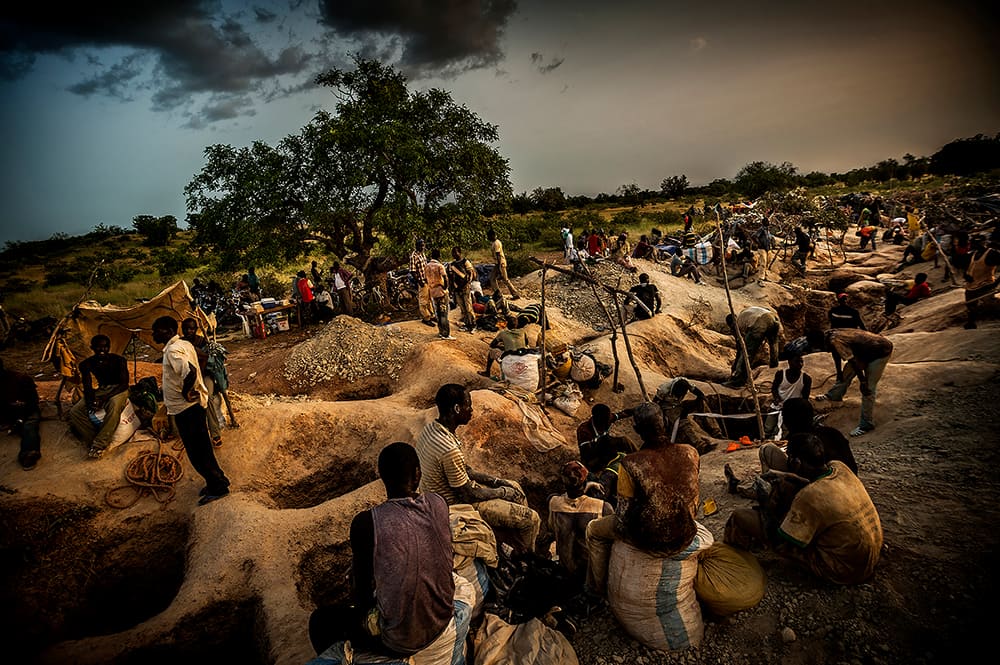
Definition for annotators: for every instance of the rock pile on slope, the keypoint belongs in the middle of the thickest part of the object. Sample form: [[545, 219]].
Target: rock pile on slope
[[347, 349]]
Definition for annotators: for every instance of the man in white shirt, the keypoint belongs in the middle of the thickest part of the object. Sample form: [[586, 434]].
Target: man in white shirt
[[185, 397]]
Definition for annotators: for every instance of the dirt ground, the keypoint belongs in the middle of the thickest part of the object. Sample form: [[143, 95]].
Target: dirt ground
[[236, 580]]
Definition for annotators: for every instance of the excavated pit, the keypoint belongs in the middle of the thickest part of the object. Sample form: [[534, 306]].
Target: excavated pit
[[63, 577], [327, 483], [324, 575], [227, 632]]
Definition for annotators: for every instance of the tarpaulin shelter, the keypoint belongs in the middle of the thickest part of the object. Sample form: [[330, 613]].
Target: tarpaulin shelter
[[121, 323]]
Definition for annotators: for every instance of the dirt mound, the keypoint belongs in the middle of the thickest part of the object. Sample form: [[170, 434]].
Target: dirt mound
[[238, 578]]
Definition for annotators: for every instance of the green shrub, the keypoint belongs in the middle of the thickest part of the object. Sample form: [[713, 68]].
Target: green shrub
[[173, 262]]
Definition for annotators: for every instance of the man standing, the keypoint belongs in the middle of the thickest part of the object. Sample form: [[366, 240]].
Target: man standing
[[787, 384], [501, 503], [843, 315], [402, 588], [866, 355], [110, 371], [185, 397], [500, 265], [342, 284], [189, 330], [461, 273], [657, 498], [304, 288], [253, 283], [757, 325], [418, 267], [20, 414], [437, 289], [647, 298]]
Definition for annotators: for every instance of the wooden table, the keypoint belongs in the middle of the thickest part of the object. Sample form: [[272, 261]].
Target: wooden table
[[258, 314]]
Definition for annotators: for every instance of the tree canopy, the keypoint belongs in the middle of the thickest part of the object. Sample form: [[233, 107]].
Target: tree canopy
[[388, 165]]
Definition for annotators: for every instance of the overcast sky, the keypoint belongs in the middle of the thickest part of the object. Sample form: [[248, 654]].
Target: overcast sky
[[106, 108]]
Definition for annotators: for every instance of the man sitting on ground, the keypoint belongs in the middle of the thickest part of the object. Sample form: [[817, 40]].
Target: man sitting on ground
[[831, 525], [797, 414], [501, 503], [647, 298], [657, 498], [110, 371], [601, 452], [402, 586], [920, 289], [20, 414], [569, 515], [510, 339]]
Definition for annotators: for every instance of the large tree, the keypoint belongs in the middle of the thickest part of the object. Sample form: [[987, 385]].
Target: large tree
[[757, 178], [390, 163]]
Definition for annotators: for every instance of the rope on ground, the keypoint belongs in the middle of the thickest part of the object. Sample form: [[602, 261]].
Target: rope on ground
[[149, 472]]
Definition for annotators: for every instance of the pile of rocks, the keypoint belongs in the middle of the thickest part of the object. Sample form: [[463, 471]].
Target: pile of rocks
[[576, 297], [347, 349]]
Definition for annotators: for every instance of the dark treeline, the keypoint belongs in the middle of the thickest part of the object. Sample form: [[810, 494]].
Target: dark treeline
[[963, 157]]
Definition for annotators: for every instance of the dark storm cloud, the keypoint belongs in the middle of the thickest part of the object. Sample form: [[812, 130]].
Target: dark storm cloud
[[115, 81], [196, 51], [435, 36], [538, 60], [264, 15]]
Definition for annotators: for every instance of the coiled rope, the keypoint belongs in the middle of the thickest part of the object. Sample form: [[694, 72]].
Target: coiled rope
[[149, 473]]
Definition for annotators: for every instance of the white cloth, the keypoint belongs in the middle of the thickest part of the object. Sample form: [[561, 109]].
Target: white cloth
[[179, 357]]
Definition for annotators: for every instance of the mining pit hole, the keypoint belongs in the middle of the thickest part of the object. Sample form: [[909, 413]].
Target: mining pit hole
[[225, 632], [734, 428], [336, 478], [324, 575], [64, 578]]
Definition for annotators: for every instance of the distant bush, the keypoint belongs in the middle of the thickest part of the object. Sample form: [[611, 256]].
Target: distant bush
[[17, 285], [627, 218], [174, 262]]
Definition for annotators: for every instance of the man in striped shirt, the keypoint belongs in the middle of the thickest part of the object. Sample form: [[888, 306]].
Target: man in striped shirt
[[501, 503]]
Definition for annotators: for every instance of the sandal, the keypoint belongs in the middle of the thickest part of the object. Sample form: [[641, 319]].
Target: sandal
[[859, 431]]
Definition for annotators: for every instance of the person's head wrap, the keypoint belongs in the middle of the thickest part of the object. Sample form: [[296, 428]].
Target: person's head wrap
[[574, 474]]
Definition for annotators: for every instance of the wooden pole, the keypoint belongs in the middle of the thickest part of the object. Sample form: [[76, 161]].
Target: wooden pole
[[739, 336], [542, 321], [628, 350], [951, 269]]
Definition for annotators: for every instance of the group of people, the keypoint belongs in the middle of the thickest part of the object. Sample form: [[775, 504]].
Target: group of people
[[316, 301], [813, 509], [192, 389]]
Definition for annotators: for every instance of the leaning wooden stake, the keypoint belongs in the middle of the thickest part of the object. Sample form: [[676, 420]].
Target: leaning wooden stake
[[739, 335], [543, 321], [628, 350], [951, 269]]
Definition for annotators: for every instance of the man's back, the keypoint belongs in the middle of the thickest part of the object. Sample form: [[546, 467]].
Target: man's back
[[661, 488], [835, 520], [414, 588]]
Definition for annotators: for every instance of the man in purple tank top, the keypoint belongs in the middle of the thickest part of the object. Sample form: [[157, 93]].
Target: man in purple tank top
[[402, 588]]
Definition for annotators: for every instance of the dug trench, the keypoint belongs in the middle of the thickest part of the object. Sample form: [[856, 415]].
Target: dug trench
[[236, 580], [64, 576]]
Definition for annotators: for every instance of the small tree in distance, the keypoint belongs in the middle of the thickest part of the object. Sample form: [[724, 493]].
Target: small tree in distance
[[674, 186], [159, 231], [757, 178]]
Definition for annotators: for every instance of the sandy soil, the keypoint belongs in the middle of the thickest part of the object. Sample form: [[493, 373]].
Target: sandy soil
[[83, 582]]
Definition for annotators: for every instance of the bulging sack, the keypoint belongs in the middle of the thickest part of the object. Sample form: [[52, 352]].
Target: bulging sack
[[729, 580], [653, 596], [521, 371]]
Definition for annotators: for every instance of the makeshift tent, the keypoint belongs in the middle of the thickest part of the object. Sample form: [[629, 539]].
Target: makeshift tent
[[120, 323]]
